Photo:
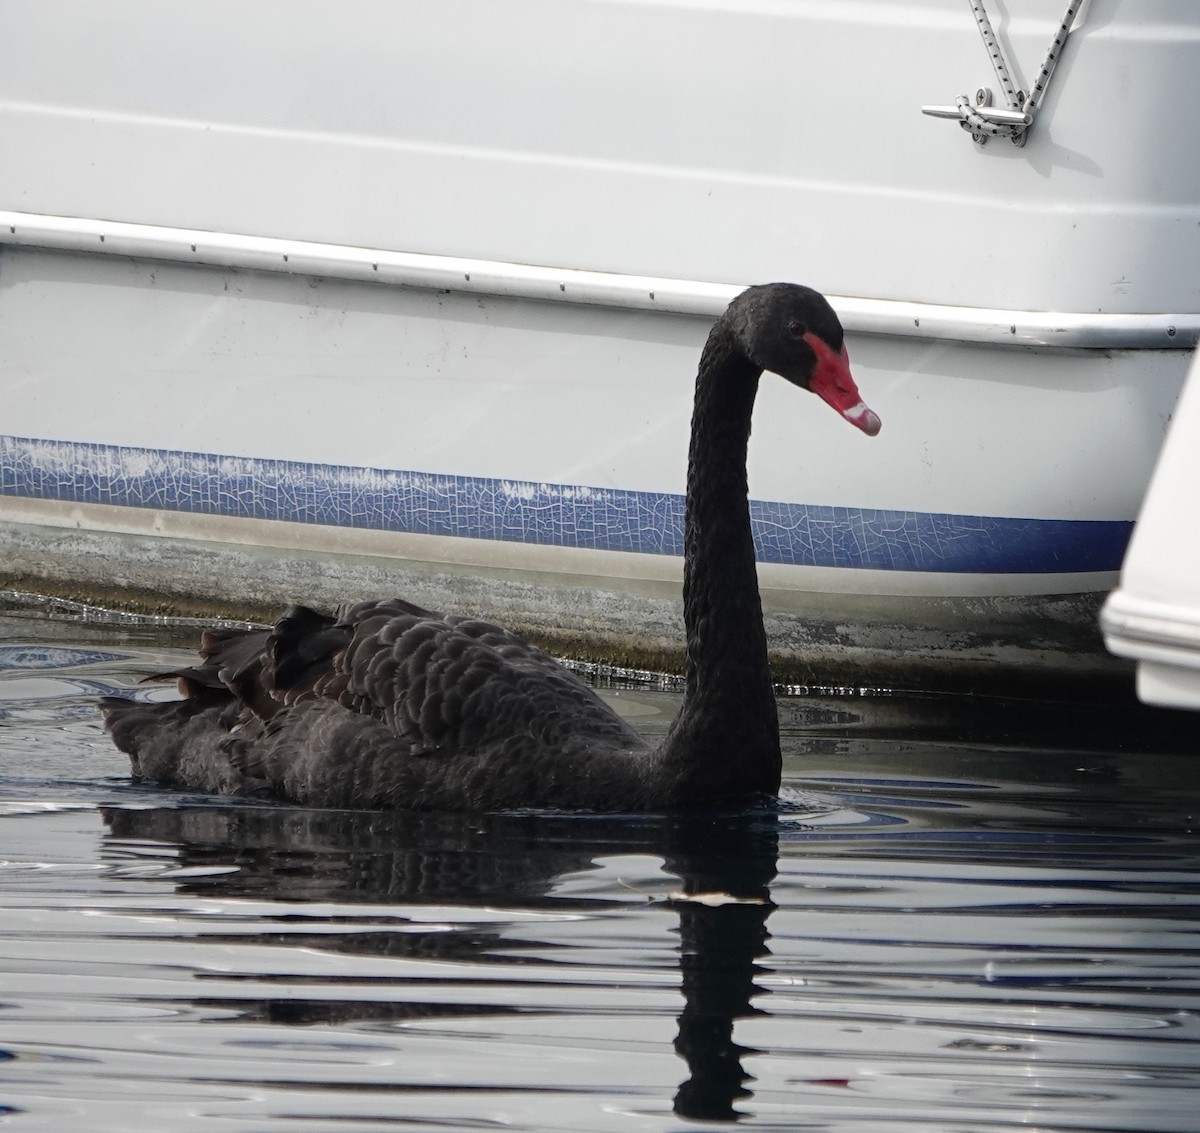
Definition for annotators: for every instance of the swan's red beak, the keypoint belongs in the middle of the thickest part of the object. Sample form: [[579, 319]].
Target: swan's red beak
[[832, 383]]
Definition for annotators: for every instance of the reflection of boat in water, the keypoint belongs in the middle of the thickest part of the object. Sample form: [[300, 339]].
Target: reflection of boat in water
[[498, 861], [1154, 617], [429, 325]]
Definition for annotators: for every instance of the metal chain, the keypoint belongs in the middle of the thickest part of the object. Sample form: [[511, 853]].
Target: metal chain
[[1012, 121]]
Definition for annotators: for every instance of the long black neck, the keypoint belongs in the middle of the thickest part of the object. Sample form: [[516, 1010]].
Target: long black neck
[[727, 733]]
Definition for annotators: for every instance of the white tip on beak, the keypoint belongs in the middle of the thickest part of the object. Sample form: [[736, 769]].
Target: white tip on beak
[[863, 418]]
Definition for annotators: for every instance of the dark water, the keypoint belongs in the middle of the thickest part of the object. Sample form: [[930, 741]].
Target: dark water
[[964, 917]]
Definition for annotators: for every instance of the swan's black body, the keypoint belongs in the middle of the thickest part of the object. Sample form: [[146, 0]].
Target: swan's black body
[[389, 705]]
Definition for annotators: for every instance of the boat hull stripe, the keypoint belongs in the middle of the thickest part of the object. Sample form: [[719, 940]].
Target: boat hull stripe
[[606, 519]]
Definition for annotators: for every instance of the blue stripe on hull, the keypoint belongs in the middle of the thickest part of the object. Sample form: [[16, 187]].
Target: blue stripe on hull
[[559, 515]]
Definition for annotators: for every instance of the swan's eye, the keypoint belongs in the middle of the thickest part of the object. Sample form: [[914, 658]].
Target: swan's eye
[[796, 330]]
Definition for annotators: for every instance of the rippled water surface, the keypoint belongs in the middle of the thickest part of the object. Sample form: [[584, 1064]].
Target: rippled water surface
[[964, 916]]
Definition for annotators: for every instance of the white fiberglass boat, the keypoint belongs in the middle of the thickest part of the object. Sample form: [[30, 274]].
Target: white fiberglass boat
[[305, 299], [1154, 617]]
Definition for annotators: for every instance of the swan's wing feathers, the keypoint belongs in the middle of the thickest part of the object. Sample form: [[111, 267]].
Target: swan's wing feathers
[[457, 685], [303, 645], [385, 705], [230, 667]]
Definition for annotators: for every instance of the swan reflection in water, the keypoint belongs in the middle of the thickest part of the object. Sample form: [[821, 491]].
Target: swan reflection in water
[[724, 862]]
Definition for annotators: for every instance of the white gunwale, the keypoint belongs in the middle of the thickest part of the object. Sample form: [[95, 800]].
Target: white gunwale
[[1062, 329]]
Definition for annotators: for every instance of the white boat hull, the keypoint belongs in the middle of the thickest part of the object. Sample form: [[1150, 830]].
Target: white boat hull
[[436, 329], [1154, 616], [430, 436]]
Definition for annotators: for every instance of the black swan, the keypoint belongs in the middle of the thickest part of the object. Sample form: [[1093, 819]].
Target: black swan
[[386, 705]]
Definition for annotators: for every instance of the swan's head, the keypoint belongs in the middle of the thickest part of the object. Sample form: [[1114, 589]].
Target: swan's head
[[793, 332]]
